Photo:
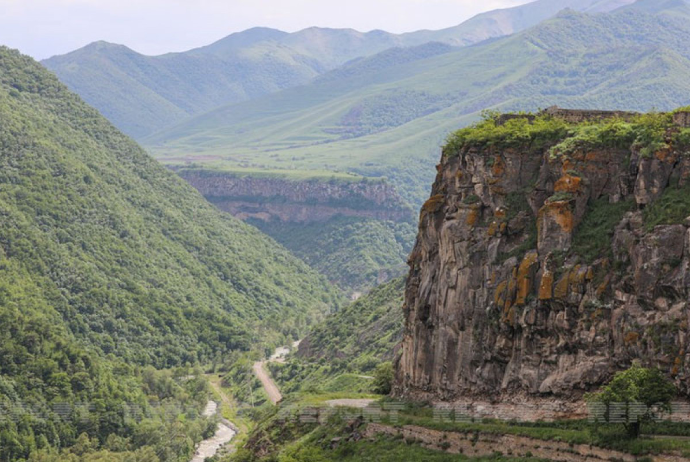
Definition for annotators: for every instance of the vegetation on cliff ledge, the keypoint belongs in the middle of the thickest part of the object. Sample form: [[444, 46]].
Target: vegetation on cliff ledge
[[646, 133]]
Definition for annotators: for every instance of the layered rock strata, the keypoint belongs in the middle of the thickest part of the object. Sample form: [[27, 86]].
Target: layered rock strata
[[266, 198]]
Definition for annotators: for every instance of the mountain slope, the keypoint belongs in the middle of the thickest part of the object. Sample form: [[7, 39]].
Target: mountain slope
[[109, 263], [142, 94], [507, 21], [354, 253], [389, 118], [342, 352], [136, 262]]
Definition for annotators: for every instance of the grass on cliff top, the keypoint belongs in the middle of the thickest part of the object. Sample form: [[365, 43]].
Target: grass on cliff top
[[646, 132]]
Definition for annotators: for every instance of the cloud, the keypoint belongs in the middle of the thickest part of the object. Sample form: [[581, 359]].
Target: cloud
[[43, 28]]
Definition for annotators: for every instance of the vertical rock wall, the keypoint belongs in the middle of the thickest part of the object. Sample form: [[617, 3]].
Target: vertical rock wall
[[498, 302]]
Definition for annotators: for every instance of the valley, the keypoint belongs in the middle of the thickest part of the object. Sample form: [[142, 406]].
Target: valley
[[335, 245]]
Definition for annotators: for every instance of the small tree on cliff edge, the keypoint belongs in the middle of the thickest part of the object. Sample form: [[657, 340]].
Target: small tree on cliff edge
[[632, 396]]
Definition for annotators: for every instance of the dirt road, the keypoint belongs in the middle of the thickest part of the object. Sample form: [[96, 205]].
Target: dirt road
[[269, 385]]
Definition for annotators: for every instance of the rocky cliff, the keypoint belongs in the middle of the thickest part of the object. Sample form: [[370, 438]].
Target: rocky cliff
[[266, 198], [549, 256]]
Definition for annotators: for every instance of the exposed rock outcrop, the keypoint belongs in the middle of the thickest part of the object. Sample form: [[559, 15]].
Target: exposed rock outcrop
[[267, 198], [500, 303]]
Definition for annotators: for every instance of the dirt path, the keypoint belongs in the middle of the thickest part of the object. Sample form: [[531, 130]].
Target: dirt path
[[358, 403], [215, 384], [269, 385], [264, 377]]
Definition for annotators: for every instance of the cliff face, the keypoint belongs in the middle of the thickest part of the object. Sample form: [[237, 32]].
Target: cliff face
[[540, 274], [297, 201]]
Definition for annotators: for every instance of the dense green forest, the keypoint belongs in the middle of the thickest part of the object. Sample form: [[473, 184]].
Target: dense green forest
[[354, 253], [342, 352], [110, 265]]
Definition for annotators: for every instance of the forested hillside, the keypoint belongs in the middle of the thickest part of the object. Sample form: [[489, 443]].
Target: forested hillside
[[354, 253], [343, 352], [106, 256]]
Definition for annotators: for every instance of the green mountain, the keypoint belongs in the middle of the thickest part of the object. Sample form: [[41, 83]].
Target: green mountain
[[386, 116], [110, 264], [142, 94], [507, 21], [341, 353]]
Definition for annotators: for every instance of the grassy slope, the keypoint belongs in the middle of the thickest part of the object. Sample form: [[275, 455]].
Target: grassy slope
[[280, 437], [347, 345], [141, 94], [624, 60]]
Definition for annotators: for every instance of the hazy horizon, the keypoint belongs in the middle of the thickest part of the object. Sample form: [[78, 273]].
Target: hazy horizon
[[44, 28]]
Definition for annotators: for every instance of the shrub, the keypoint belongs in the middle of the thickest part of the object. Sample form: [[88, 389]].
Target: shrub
[[383, 378], [638, 388]]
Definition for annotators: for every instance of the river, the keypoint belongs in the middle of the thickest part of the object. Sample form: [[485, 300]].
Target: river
[[224, 434]]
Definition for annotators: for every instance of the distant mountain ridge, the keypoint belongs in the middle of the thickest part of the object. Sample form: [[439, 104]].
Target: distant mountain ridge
[[143, 94], [379, 116]]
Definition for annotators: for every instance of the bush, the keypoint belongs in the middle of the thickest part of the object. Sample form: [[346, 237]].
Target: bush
[[383, 378], [637, 388]]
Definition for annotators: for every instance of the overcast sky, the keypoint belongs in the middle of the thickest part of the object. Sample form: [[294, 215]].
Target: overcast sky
[[43, 28]]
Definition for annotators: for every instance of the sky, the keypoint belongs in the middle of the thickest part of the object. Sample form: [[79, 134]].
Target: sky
[[43, 28]]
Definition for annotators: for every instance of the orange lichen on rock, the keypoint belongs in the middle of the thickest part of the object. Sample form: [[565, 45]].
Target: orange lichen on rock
[[665, 155], [500, 293], [568, 183], [578, 274], [567, 166], [500, 213], [603, 286], [510, 316], [561, 290], [597, 156], [458, 174], [492, 229], [561, 214], [546, 286], [472, 216], [525, 276], [676, 366], [631, 337], [499, 167], [434, 203]]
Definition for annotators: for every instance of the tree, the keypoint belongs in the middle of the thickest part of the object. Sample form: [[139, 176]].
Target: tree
[[632, 397], [383, 378]]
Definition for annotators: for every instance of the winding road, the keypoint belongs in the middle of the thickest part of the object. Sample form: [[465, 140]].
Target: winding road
[[269, 385], [264, 377]]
